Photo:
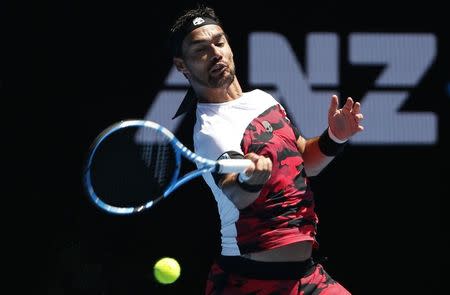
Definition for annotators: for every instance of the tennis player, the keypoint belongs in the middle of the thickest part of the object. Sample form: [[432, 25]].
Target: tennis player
[[268, 219]]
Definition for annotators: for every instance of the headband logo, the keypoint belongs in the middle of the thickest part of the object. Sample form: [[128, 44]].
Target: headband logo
[[198, 21]]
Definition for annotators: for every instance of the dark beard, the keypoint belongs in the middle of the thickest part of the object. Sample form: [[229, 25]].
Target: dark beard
[[220, 82], [214, 82]]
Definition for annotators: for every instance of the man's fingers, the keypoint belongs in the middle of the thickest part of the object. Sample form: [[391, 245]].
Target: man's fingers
[[261, 171], [359, 117], [348, 104], [263, 164], [333, 104], [357, 108], [252, 156]]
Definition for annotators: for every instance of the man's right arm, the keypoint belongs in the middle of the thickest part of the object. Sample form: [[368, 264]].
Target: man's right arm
[[244, 192]]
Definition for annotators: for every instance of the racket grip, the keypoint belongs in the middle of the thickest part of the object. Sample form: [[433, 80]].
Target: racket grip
[[233, 165], [243, 177]]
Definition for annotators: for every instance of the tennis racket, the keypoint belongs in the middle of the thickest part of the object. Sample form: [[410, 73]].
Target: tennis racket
[[134, 164]]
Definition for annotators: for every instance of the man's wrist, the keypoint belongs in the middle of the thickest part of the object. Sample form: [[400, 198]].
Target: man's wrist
[[252, 188], [333, 137], [329, 144]]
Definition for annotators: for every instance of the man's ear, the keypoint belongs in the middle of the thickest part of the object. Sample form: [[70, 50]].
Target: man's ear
[[179, 64]]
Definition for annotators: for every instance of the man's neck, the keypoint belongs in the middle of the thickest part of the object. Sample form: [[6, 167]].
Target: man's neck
[[218, 95]]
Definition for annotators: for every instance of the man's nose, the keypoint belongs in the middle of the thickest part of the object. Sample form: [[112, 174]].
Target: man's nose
[[216, 54]]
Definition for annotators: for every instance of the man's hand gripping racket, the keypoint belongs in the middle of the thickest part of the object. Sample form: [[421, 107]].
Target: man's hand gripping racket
[[134, 164]]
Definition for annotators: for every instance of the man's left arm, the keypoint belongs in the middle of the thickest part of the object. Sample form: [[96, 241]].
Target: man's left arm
[[343, 123]]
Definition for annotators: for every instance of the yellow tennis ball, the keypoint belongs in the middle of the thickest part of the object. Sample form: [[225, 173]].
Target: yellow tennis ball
[[166, 270]]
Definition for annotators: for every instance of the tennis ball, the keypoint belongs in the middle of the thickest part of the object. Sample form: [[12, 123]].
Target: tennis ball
[[166, 270]]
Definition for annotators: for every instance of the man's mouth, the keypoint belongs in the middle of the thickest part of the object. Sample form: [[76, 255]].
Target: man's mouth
[[218, 68]]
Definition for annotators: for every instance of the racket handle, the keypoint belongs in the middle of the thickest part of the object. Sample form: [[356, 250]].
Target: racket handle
[[243, 177], [233, 165]]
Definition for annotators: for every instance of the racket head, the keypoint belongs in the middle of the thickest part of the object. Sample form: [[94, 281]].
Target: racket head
[[130, 166]]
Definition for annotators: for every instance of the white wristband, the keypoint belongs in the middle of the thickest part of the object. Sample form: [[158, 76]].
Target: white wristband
[[334, 138]]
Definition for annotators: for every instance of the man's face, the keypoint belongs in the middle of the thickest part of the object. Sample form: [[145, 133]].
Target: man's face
[[208, 57]]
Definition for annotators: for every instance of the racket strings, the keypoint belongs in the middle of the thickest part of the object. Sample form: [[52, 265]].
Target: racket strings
[[164, 154], [158, 158], [132, 166]]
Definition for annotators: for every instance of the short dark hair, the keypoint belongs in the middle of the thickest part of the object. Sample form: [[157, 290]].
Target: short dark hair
[[178, 29]]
